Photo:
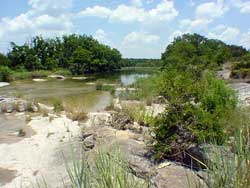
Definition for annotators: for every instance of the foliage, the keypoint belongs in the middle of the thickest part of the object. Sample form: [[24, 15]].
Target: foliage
[[75, 110], [4, 61], [58, 105], [110, 170], [146, 90], [196, 105], [241, 69], [131, 62], [4, 73], [196, 50], [77, 53], [138, 114], [230, 168]]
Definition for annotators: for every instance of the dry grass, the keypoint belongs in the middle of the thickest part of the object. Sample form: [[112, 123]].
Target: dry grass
[[75, 111]]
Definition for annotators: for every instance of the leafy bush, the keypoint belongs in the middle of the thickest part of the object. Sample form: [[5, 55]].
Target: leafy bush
[[196, 106], [63, 72], [4, 73], [229, 165]]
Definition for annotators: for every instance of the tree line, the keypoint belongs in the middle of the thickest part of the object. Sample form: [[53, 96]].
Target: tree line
[[78, 53]]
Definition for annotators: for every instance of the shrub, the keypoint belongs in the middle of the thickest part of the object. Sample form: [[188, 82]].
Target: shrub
[[196, 107], [99, 85], [23, 75], [75, 111], [58, 105], [4, 73], [229, 168], [63, 72], [110, 170]]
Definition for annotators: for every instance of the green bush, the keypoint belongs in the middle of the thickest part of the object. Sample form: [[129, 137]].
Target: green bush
[[63, 72], [196, 107], [4, 74]]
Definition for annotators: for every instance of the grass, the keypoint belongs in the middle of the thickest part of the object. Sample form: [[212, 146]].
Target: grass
[[25, 75], [104, 87], [138, 113], [231, 168], [107, 168], [75, 110], [58, 105], [146, 90]]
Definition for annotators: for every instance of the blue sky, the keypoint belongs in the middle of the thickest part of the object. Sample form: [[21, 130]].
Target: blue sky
[[138, 28]]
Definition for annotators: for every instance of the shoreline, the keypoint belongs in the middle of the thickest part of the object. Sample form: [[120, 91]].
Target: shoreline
[[37, 156]]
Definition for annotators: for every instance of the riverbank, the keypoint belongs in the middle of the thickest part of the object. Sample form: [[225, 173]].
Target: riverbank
[[39, 155]]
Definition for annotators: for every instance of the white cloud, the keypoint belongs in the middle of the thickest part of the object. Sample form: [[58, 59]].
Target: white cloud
[[164, 11], [224, 33], [175, 34], [140, 38], [51, 7], [97, 11], [205, 14], [244, 6], [194, 25], [45, 17], [211, 9], [103, 38]]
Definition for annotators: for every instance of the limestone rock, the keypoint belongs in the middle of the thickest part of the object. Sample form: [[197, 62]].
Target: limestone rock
[[45, 107], [3, 84], [60, 77]]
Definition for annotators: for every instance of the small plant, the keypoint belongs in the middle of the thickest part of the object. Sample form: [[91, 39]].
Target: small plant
[[109, 170], [50, 134], [75, 111], [21, 133], [58, 105], [99, 85]]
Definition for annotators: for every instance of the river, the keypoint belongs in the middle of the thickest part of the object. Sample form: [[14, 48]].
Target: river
[[68, 91]]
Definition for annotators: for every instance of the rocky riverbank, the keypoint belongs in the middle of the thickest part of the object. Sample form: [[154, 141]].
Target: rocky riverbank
[[40, 155]]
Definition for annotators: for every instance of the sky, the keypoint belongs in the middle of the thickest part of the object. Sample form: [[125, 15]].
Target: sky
[[137, 28]]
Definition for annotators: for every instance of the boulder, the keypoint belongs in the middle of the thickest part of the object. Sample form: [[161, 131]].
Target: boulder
[[33, 108], [99, 119], [21, 105], [57, 76], [45, 107], [8, 107], [2, 84], [39, 80], [79, 78]]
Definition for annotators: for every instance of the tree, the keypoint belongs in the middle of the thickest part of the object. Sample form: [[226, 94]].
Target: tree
[[80, 61], [4, 60]]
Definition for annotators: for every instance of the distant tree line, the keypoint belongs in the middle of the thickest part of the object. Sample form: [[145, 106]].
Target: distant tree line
[[140, 62], [77, 53]]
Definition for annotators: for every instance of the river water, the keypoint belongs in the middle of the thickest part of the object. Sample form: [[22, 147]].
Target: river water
[[68, 91]]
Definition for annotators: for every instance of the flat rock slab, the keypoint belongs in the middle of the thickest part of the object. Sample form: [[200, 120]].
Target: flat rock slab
[[39, 80], [79, 78], [6, 175], [176, 176], [2, 84], [166, 175]]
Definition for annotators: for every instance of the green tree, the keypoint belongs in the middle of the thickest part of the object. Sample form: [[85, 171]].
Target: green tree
[[4, 60], [80, 62]]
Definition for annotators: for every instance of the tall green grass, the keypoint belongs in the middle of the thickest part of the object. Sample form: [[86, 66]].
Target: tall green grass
[[230, 168], [104, 169]]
